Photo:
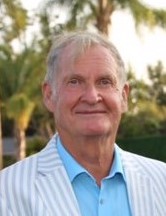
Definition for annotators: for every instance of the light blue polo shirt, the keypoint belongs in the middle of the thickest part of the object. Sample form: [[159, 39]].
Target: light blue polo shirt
[[110, 199]]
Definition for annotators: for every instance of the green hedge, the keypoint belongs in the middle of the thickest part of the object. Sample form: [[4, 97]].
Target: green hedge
[[8, 160], [153, 147]]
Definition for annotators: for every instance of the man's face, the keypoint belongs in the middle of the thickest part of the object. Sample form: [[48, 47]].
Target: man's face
[[89, 99]]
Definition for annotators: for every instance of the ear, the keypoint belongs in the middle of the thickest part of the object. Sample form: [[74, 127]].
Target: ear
[[125, 95], [48, 98]]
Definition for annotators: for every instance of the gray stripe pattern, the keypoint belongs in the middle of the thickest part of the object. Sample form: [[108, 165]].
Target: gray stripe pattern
[[146, 182], [39, 186]]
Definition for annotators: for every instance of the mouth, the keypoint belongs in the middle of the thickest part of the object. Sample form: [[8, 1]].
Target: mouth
[[92, 112]]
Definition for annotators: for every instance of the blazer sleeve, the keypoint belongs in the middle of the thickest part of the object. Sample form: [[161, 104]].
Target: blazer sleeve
[[4, 210]]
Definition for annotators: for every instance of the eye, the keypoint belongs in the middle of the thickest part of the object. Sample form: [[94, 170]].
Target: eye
[[74, 81], [105, 82]]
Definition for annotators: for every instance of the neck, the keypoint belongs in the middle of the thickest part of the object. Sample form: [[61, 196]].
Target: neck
[[95, 154]]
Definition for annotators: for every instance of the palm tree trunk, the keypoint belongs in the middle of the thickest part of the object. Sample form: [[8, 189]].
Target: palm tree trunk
[[21, 138], [104, 16]]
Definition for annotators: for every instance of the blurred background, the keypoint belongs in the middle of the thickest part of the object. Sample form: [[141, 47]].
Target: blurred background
[[136, 27]]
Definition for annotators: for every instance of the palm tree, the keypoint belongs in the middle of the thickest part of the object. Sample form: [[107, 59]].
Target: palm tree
[[20, 74], [12, 12], [20, 89], [20, 109], [99, 12]]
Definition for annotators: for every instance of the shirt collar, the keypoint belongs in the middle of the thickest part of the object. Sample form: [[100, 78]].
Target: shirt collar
[[77, 169], [69, 162], [117, 164]]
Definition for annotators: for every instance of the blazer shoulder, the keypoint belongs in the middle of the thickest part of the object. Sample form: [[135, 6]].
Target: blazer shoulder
[[28, 164], [143, 165]]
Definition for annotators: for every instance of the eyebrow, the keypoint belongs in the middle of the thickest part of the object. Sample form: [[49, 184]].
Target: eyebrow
[[105, 74], [74, 75]]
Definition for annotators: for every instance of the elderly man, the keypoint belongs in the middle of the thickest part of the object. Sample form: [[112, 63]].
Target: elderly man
[[82, 171]]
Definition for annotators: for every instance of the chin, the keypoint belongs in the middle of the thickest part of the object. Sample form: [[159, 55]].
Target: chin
[[95, 132]]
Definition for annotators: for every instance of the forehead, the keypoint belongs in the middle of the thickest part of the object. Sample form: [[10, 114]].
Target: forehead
[[98, 54], [94, 63], [95, 54]]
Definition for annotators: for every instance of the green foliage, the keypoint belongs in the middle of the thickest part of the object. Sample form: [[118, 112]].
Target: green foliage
[[13, 19], [147, 108], [18, 88], [8, 160], [149, 146], [20, 108], [141, 124], [146, 15], [35, 144], [157, 76], [98, 13], [21, 73]]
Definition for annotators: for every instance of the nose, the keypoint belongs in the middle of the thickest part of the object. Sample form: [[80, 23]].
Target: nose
[[91, 95]]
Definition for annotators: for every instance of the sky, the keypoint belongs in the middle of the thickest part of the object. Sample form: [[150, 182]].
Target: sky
[[137, 49]]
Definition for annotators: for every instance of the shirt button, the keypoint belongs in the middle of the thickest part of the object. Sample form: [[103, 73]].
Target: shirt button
[[101, 201]]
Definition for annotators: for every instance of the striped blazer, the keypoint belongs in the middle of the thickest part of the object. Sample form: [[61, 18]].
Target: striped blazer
[[39, 186]]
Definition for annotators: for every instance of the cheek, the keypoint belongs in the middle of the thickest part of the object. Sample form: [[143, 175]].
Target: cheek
[[72, 92], [114, 100], [65, 100]]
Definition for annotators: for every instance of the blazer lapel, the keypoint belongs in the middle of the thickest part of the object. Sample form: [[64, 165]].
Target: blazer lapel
[[53, 184], [139, 188]]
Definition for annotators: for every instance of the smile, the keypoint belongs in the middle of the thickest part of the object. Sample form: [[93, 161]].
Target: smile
[[90, 112]]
